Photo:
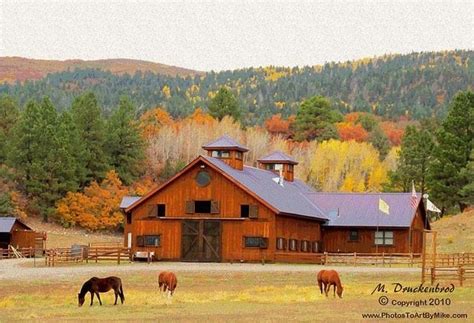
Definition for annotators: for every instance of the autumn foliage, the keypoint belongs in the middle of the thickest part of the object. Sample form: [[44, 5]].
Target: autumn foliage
[[349, 131], [97, 208]]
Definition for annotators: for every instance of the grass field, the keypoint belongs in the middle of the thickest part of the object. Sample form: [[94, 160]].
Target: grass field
[[455, 233], [217, 296]]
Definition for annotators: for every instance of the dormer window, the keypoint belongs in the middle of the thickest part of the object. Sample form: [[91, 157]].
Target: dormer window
[[274, 167], [220, 154]]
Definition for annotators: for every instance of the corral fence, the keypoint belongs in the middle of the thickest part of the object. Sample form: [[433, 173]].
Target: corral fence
[[16, 253], [458, 273], [86, 253], [376, 259]]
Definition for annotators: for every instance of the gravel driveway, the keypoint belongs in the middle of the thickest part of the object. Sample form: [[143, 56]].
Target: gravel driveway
[[21, 269]]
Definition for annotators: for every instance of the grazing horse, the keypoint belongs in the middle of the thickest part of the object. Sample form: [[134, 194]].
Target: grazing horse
[[167, 281], [101, 285], [328, 278]]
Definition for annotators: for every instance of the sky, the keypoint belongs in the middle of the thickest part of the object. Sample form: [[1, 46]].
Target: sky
[[220, 35]]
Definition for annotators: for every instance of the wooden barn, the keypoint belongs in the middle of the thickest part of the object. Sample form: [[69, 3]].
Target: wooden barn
[[218, 209], [16, 233]]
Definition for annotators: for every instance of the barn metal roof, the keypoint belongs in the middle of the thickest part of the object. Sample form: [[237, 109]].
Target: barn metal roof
[[288, 198], [6, 224], [278, 156], [225, 142], [362, 209], [128, 200]]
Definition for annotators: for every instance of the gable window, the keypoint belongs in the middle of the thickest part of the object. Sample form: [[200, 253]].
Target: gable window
[[152, 241], [256, 242], [244, 211], [384, 238], [205, 207], [202, 206], [161, 210], [353, 235], [220, 154], [281, 244], [293, 245]]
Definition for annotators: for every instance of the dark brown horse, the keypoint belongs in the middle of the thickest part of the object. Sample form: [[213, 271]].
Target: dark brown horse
[[328, 278], [167, 281], [101, 285]]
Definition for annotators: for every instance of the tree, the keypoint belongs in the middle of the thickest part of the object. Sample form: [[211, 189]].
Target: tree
[[224, 104], [8, 117], [467, 192], [452, 153], [414, 159], [315, 120], [152, 121], [41, 157], [125, 145], [88, 120], [379, 140], [348, 131]]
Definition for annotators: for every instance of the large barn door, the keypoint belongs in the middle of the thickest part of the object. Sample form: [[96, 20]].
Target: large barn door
[[201, 241]]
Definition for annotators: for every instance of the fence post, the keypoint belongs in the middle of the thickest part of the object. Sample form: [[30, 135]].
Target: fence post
[[461, 275], [383, 259], [96, 255], [325, 258], [411, 259], [118, 260], [355, 258], [433, 275]]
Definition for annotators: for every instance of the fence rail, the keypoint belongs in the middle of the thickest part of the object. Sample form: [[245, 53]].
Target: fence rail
[[24, 252], [383, 259], [80, 254], [459, 273], [451, 260]]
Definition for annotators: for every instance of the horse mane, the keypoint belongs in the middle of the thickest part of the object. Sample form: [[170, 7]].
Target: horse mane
[[86, 287]]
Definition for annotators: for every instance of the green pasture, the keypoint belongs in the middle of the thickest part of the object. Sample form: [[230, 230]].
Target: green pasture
[[218, 296]]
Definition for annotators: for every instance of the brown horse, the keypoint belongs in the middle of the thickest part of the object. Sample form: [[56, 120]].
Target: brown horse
[[328, 278], [101, 285], [167, 281]]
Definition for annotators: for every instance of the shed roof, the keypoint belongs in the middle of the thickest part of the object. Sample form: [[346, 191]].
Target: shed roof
[[278, 156], [362, 209], [7, 222], [225, 142]]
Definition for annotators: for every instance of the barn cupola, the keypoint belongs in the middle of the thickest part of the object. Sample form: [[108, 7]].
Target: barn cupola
[[279, 163], [228, 150]]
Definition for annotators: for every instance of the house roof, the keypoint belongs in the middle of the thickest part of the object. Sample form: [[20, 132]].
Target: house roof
[[288, 198], [278, 157], [128, 200], [225, 142], [7, 222], [362, 209]]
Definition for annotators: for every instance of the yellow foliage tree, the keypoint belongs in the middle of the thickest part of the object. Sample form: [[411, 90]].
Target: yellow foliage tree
[[97, 208], [152, 121], [166, 91]]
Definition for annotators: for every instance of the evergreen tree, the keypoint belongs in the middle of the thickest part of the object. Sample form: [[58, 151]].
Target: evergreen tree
[[224, 104], [379, 140], [315, 120], [414, 158], [40, 156], [451, 155], [87, 118], [124, 143], [467, 192], [8, 117]]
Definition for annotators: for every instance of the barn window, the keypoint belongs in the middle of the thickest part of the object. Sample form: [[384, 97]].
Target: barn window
[[238, 155], [140, 241], [353, 235], [202, 206], [161, 210], [274, 167], [305, 246], [384, 238], [129, 218], [315, 246], [293, 245], [281, 244], [203, 178], [220, 154], [152, 241], [244, 211], [256, 242]]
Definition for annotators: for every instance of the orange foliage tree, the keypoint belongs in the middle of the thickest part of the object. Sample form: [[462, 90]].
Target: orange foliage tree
[[350, 131], [152, 121], [97, 208], [393, 132], [276, 125]]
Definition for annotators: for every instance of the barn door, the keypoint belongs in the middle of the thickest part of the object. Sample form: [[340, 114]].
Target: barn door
[[201, 241]]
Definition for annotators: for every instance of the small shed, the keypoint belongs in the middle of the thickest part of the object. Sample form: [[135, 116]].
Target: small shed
[[16, 233]]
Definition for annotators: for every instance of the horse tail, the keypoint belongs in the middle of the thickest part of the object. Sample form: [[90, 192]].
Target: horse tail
[[122, 296]]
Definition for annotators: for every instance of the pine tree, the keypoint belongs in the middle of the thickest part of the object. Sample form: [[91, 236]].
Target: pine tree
[[414, 159], [451, 155], [379, 140], [87, 118], [467, 192], [124, 143], [8, 117], [224, 104], [315, 120], [40, 156]]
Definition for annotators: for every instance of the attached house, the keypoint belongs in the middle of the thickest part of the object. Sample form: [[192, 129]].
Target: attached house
[[218, 209]]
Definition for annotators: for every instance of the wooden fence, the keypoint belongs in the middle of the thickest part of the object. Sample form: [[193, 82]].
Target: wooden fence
[[451, 260], [459, 273], [24, 252], [79, 254], [377, 259]]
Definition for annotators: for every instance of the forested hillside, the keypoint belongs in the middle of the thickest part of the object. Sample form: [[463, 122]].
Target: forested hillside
[[415, 86]]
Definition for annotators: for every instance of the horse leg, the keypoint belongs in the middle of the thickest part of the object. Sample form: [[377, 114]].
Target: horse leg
[[116, 296], [98, 296], [320, 283], [92, 298], [334, 291], [326, 289]]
